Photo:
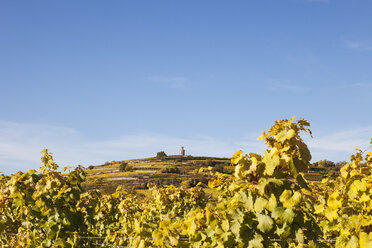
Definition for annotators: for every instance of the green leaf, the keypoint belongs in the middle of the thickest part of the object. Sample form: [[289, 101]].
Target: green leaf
[[283, 231], [293, 168], [271, 160], [235, 228], [256, 242], [265, 223], [263, 182], [277, 214], [260, 204], [301, 165], [271, 205], [246, 201], [225, 225], [304, 150], [288, 215], [301, 181]]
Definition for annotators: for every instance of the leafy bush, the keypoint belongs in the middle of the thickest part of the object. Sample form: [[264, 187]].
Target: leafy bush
[[123, 166], [219, 168], [209, 163], [344, 204], [266, 203], [161, 155], [324, 164], [189, 183], [173, 169]]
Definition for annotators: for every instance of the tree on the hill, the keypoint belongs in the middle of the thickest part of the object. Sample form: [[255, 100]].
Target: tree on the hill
[[123, 166], [161, 155], [324, 164]]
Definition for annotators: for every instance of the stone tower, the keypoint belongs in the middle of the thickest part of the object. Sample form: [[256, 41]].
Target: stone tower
[[182, 152]]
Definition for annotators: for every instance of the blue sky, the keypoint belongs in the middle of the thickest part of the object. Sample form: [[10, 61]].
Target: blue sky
[[96, 81]]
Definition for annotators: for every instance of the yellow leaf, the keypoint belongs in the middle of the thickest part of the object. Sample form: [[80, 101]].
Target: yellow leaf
[[333, 203], [353, 242], [319, 208], [365, 240], [331, 214], [237, 157], [284, 198], [225, 225], [265, 223], [344, 171], [288, 200], [296, 198], [262, 136], [325, 180], [271, 160], [281, 136], [290, 134], [66, 168], [260, 204], [364, 198], [271, 205]]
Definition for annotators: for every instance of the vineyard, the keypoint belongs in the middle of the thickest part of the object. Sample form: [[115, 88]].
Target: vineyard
[[267, 202]]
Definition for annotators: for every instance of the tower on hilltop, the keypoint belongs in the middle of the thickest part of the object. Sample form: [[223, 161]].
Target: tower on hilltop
[[182, 151]]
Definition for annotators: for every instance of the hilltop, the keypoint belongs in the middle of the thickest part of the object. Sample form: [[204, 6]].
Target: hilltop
[[175, 170]]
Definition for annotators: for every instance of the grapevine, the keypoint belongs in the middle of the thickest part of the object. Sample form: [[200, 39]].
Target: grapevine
[[266, 203]]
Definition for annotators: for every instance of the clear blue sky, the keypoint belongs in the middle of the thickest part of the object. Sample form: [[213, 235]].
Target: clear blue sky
[[96, 81]]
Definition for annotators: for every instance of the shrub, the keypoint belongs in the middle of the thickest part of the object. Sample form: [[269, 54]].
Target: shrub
[[170, 170], [210, 163], [123, 166], [219, 168], [324, 164], [189, 183], [161, 155]]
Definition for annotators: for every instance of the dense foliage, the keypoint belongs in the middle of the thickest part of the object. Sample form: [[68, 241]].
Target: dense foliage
[[266, 203], [161, 155]]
